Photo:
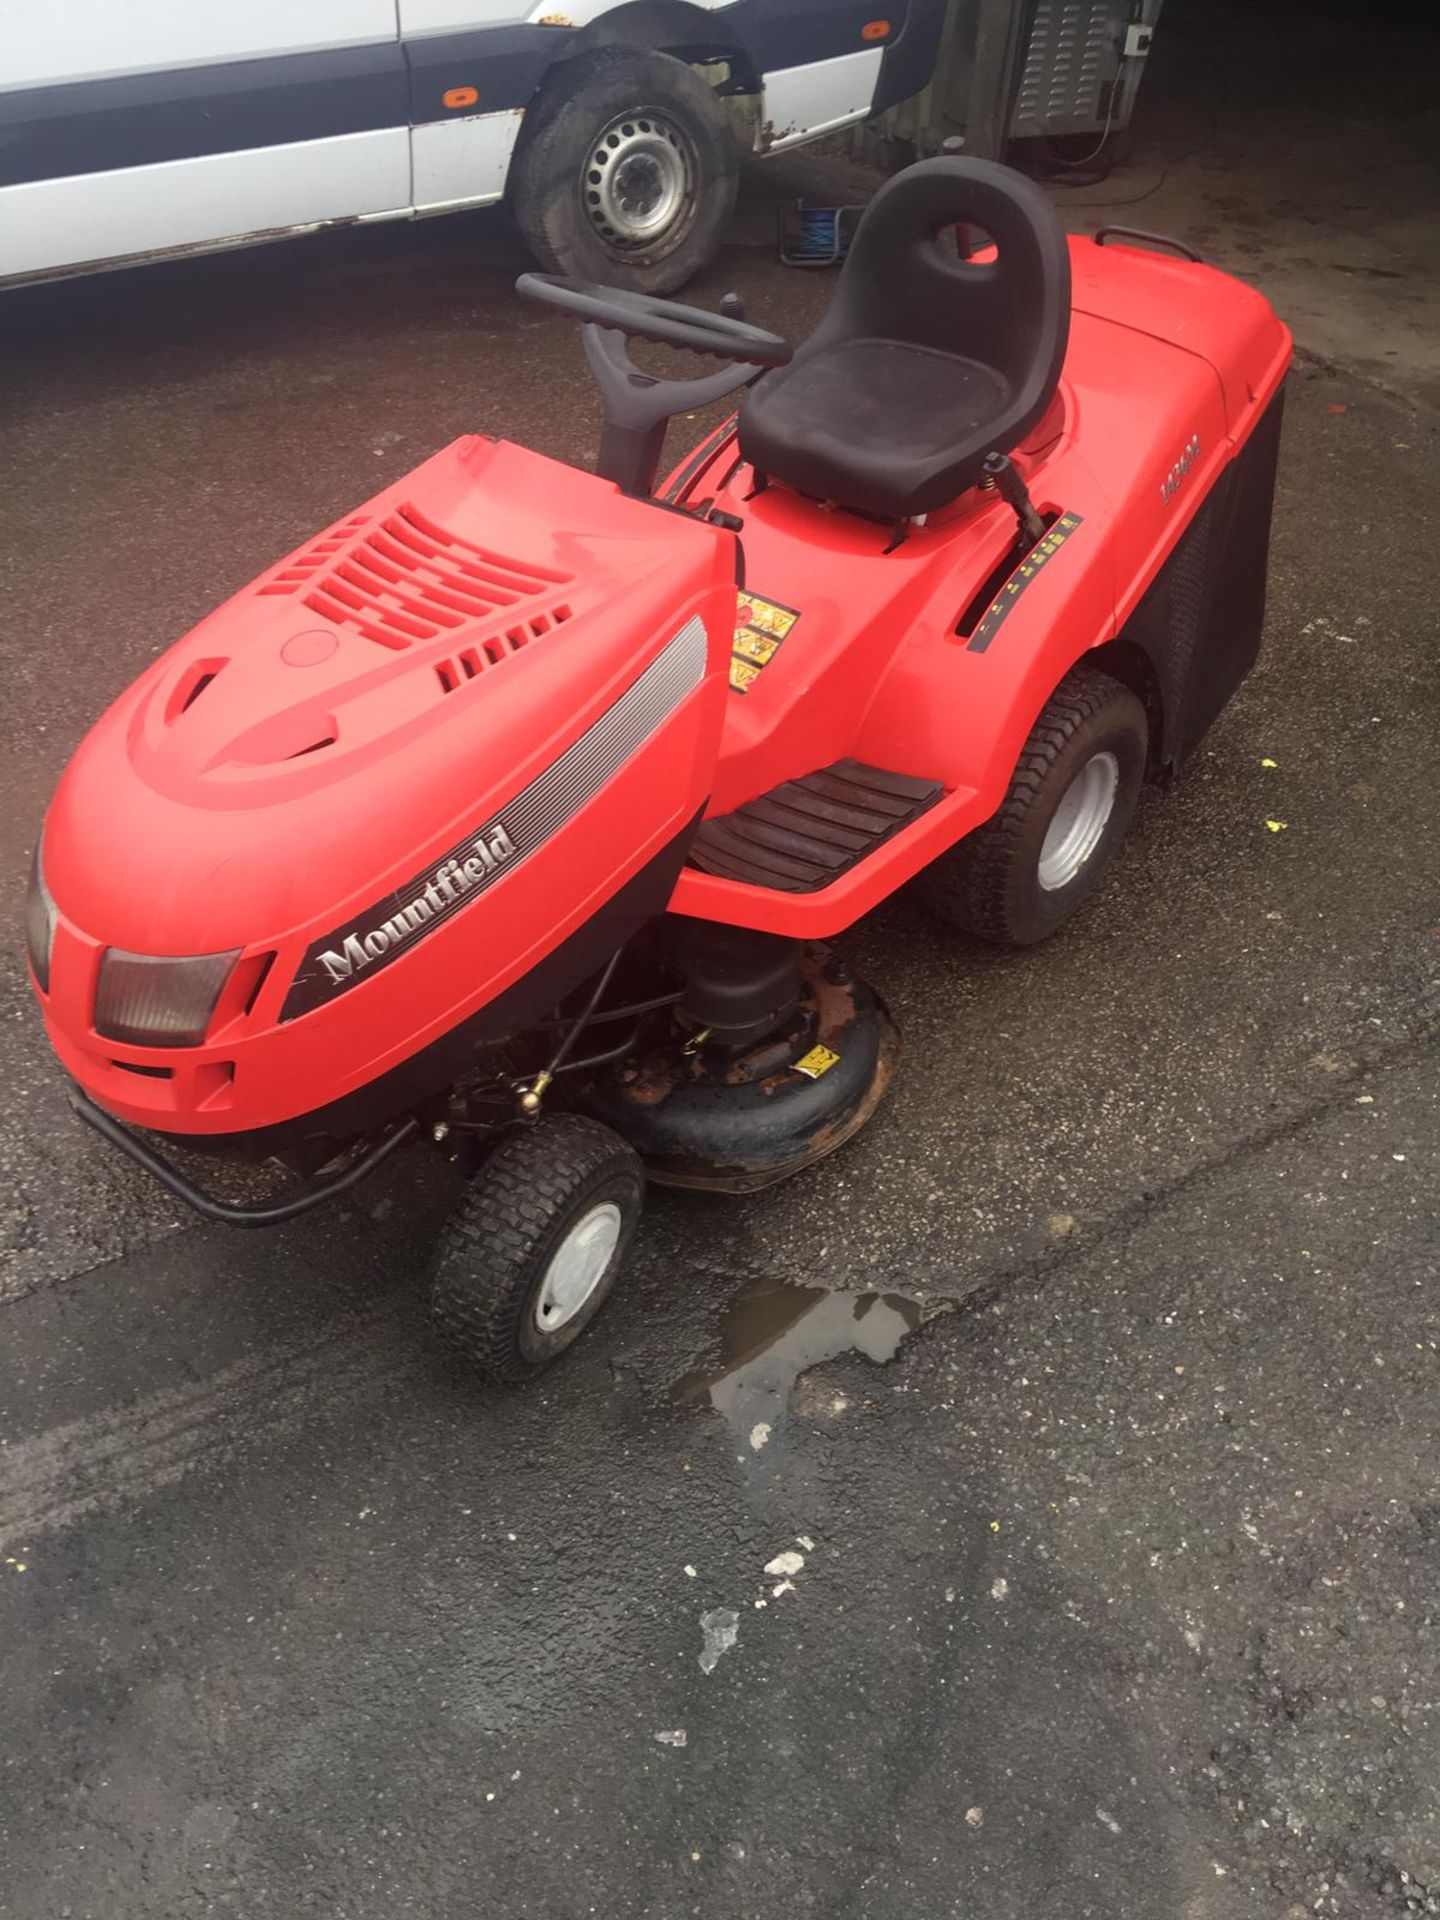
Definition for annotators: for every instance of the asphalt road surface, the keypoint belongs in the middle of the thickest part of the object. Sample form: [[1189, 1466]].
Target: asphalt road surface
[[1117, 1592]]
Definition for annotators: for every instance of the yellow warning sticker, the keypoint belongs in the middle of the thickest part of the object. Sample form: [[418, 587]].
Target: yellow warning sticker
[[758, 647], [817, 1061], [766, 615], [760, 626]]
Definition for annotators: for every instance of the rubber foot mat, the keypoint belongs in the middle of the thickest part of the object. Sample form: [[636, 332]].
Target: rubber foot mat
[[807, 832]]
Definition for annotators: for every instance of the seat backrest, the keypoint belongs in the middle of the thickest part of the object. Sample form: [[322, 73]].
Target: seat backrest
[[1011, 313]]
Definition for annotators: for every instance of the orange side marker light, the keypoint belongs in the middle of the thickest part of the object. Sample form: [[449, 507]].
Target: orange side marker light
[[875, 30], [460, 96]]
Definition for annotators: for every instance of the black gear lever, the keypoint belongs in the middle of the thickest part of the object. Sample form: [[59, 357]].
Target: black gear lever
[[1000, 468]]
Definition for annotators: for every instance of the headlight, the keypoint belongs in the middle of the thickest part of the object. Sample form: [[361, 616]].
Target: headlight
[[39, 922], [156, 1002]]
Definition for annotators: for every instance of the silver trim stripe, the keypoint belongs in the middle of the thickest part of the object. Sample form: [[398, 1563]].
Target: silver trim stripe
[[582, 770], [523, 827]]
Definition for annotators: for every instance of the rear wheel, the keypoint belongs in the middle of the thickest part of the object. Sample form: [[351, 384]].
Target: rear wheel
[[1042, 855], [534, 1248], [626, 171]]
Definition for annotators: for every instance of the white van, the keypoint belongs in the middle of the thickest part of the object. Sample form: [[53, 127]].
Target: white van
[[131, 130]]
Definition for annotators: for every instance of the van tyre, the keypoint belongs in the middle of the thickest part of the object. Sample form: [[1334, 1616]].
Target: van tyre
[[532, 1251], [1070, 800], [625, 172]]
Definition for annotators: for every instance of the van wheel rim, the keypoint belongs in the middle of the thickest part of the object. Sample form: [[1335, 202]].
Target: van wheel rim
[[577, 1267], [638, 180], [1079, 822]]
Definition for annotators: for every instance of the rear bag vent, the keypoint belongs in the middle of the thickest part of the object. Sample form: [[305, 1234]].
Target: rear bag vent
[[409, 579]]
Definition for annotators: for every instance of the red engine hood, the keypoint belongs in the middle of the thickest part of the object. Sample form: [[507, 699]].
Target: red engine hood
[[354, 707]]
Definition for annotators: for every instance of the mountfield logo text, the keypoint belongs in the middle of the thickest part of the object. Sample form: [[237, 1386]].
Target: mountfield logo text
[[446, 888]]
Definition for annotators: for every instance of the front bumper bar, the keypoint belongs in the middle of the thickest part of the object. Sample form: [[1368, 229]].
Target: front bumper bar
[[224, 1211]]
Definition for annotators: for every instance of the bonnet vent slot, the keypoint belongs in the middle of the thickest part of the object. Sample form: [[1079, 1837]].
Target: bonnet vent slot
[[472, 661], [306, 565], [409, 579]]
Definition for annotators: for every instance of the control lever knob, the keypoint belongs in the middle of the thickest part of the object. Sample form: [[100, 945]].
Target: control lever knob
[[732, 307]]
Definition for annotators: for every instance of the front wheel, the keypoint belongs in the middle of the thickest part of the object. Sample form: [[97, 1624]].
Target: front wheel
[[533, 1249], [625, 172], [1042, 854]]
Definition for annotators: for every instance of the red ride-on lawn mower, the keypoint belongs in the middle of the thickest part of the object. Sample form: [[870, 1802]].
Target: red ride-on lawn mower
[[515, 810]]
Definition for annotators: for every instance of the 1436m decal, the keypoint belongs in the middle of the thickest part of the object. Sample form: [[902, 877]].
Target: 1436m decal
[[1170, 485]]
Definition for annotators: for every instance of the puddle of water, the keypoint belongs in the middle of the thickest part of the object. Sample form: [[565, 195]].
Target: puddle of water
[[773, 1333]]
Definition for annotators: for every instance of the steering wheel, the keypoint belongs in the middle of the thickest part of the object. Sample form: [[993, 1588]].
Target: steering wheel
[[643, 316]]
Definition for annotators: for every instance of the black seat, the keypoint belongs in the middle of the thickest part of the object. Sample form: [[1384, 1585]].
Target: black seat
[[925, 362]]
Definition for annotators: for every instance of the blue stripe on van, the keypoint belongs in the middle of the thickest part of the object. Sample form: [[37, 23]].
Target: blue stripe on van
[[141, 119], [138, 119]]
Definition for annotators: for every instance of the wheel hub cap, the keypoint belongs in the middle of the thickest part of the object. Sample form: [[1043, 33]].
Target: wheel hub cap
[[637, 181], [577, 1266], [1079, 821]]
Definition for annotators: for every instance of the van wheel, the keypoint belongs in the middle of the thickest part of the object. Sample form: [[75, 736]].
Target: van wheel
[[1043, 853], [534, 1247], [625, 172]]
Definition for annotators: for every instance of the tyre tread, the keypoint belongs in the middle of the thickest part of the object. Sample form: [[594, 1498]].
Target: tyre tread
[[540, 174], [477, 1294], [970, 885]]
